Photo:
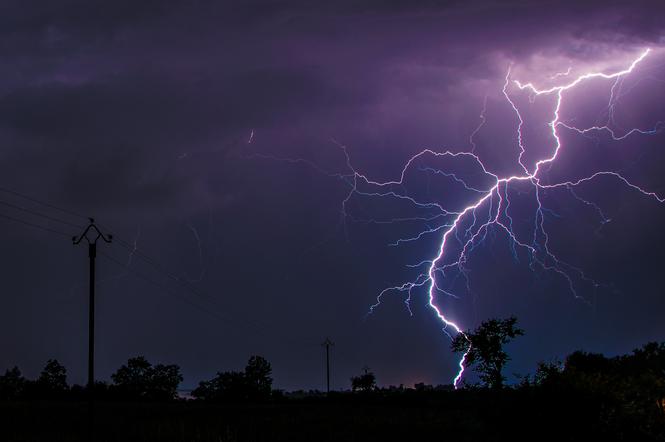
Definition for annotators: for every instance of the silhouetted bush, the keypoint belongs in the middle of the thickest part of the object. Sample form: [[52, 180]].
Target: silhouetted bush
[[12, 384], [253, 384], [365, 382], [621, 392], [51, 383], [53, 377], [139, 379]]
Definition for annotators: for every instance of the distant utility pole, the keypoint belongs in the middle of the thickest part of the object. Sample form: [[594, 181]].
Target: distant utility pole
[[91, 234], [327, 344]]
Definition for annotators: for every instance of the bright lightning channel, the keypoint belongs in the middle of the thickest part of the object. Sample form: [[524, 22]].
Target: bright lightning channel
[[497, 196]]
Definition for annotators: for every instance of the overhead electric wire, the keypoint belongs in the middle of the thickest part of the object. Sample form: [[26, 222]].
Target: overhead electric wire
[[164, 288], [160, 268], [216, 315], [35, 213], [44, 203], [226, 319], [170, 275], [132, 249], [37, 226], [200, 294], [138, 253]]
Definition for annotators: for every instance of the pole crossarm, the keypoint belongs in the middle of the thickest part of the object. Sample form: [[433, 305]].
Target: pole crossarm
[[96, 234]]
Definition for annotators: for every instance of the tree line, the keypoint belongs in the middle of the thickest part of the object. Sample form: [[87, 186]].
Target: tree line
[[588, 393], [635, 381], [138, 380]]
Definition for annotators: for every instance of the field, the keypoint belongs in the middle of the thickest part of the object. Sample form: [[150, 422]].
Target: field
[[460, 416]]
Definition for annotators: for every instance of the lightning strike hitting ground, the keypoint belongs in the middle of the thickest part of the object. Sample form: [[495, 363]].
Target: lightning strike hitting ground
[[491, 206], [499, 203]]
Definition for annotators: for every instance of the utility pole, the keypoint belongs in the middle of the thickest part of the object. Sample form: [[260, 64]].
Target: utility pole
[[91, 234], [327, 344]]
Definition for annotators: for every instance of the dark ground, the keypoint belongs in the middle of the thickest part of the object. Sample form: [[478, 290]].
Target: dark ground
[[407, 416]]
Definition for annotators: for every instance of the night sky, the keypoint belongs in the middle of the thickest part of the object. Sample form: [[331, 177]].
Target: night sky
[[210, 138]]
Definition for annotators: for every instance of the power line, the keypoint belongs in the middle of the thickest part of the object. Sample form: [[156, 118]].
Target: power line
[[43, 203], [247, 324], [50, 230], [187, 285], [28, 223], [33, 212], [171, 275], [143, 256], [152, 262], [146, 258], [165, 289]]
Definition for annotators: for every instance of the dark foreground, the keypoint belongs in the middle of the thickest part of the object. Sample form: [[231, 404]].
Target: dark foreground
[[460, 416]]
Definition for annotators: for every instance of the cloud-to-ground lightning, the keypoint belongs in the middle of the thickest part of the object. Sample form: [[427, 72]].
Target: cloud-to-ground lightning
[[461, 230]]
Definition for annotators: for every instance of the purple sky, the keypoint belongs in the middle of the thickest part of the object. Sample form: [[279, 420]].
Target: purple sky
[[139, 113]]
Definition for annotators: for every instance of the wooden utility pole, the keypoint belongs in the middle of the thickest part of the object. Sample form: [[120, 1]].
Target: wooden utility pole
[[327, 344], [91, 234]]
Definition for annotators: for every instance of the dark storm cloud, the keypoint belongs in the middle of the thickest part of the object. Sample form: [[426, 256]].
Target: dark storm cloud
[[137, 119], [141, 112]]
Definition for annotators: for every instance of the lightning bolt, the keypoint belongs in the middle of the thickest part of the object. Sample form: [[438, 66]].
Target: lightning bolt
[[462, 230], [473, 226]]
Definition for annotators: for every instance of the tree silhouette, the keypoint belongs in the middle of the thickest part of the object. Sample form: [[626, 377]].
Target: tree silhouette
[[364, 382], [53, 378], [133, 378], [140, 380], [225, 386], [629, 388], [12, 384], [164, 382], [484, 347], [548, 374], [254, 383], [257, 375]]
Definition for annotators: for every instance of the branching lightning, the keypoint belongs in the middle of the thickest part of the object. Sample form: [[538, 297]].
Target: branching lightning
[[461, 230], [496, 197]]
